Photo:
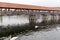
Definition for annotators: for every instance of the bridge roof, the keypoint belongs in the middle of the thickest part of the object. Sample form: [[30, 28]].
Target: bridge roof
[[22, 6]]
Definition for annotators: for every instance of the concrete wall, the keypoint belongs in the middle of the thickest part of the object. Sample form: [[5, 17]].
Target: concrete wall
[[14, 20], [24, 19]]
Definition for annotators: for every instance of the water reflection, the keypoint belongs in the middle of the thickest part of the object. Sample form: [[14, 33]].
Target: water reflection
[[51, 33]]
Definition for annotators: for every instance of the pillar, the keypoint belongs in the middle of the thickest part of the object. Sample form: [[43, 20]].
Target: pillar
[[59, 19], [32, 20], [44, 17]]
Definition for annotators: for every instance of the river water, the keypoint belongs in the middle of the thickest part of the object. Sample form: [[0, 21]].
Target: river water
[[52, 33]]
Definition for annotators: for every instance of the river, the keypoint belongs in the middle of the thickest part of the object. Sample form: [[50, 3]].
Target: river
[[51, 33]]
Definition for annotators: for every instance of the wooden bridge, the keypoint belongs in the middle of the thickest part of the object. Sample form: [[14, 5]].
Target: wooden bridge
[[19, 9]]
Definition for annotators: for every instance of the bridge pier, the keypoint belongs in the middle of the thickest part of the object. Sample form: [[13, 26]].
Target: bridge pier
[[32, 20], [44, 17], [59, 19], [54, 18]]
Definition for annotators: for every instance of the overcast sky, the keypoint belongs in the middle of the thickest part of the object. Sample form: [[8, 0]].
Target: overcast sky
[[51, 3]]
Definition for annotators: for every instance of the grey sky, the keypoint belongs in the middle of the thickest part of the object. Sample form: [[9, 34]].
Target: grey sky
[[51, 3]]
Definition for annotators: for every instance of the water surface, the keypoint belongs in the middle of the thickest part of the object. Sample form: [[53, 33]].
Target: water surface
[[52, 33]]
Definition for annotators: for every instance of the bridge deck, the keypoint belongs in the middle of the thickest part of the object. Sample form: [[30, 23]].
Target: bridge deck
[[22, 6]]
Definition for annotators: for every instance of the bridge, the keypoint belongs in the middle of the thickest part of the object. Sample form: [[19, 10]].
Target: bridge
[[8, 9], [35, 15]]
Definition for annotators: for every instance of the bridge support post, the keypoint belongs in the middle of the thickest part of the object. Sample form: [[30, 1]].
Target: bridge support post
[[32, 20], [59, 19], [44, 17]]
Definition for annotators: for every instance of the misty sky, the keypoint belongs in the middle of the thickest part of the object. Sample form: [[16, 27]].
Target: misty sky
[[51, 3]]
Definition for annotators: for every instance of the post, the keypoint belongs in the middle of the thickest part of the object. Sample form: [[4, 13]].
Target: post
[[59, 19], [32, 20], [44, 17]]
